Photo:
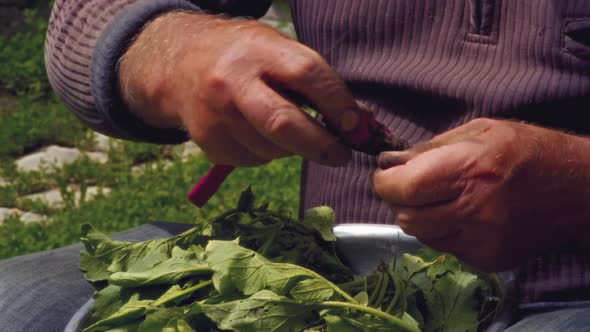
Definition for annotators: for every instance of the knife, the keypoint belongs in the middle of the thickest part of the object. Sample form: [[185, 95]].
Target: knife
[[369, 136]]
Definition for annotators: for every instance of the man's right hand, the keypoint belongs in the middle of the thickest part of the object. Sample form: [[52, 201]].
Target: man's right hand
[[221, 79]]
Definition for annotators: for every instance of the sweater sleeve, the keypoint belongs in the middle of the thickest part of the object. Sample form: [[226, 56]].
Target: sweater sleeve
[[85, 41]]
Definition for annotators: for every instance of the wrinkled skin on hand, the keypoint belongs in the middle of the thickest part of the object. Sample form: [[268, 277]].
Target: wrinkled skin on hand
[[223, 80], [492, 192]]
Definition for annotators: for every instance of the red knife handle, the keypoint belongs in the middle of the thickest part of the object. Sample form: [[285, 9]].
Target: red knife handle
[[369, 136], [209, 184]]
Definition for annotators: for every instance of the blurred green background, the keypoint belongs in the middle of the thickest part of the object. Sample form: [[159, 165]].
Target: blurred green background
[[133, 183]]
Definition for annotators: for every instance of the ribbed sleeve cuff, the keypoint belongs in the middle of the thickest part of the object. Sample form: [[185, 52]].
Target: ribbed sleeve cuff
[[110, 47]]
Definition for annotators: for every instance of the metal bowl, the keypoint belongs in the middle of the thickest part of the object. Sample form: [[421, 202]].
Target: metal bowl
[[363, 246]]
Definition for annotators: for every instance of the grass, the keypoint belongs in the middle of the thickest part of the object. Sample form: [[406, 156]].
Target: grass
[[157, 194], [38, 119]]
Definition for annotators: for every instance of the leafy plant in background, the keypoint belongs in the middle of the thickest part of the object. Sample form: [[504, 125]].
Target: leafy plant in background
[[159, 193], [35, 123], [23, 68]]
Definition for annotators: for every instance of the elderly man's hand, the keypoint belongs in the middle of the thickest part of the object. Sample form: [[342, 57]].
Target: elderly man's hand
[[223, 80], [492, 192]]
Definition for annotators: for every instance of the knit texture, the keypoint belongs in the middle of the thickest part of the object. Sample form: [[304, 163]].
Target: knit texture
[[428, 66]]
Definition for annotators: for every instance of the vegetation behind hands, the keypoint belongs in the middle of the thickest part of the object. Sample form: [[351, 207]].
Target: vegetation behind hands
[[35, 118]]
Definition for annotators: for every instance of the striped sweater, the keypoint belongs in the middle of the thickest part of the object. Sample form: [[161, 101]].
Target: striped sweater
[[424, 66]]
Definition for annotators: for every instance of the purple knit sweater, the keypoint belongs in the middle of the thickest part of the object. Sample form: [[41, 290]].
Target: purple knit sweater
[[424, 66]]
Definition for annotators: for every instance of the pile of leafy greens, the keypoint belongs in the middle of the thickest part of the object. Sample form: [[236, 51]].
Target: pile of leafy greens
[[252, 269]]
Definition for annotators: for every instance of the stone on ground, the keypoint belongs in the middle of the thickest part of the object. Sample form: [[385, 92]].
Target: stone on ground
[[26, 217], [190, 149], [101, 143], [53, 197], [54, 156]]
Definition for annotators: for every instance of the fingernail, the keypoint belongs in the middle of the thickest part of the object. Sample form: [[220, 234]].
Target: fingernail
[[390, 159], [349, 120]]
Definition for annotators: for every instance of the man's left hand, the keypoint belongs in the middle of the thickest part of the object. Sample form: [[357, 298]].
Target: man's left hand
[[492, 192]]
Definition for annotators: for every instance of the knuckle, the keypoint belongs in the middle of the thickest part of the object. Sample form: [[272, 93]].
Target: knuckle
[[217, 80], [308, 65], [279, 122]]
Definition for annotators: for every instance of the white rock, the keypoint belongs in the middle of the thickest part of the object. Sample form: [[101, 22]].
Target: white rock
[[99, 157], [26, 217], [141, 168], [54, 198], [54, 156], [7, 212], [190, 149], [92, 192], [101, 143], [30, 217], [50, 197], [50, 156]]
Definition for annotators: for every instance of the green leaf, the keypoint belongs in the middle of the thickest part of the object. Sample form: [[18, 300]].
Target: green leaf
[[240, 269], [406, 317], [112, 298], [263, 311], [99, 253], [366, 318], [321, 219], [181, 264], [336, 323], [453, 304], [312, 291], [408, 265], [362, 298], [177, 294], [128, 313], [444, 264], [107, 301], [346, 320], [166, 319], [246, 201], [105, 256], [174, 295]]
